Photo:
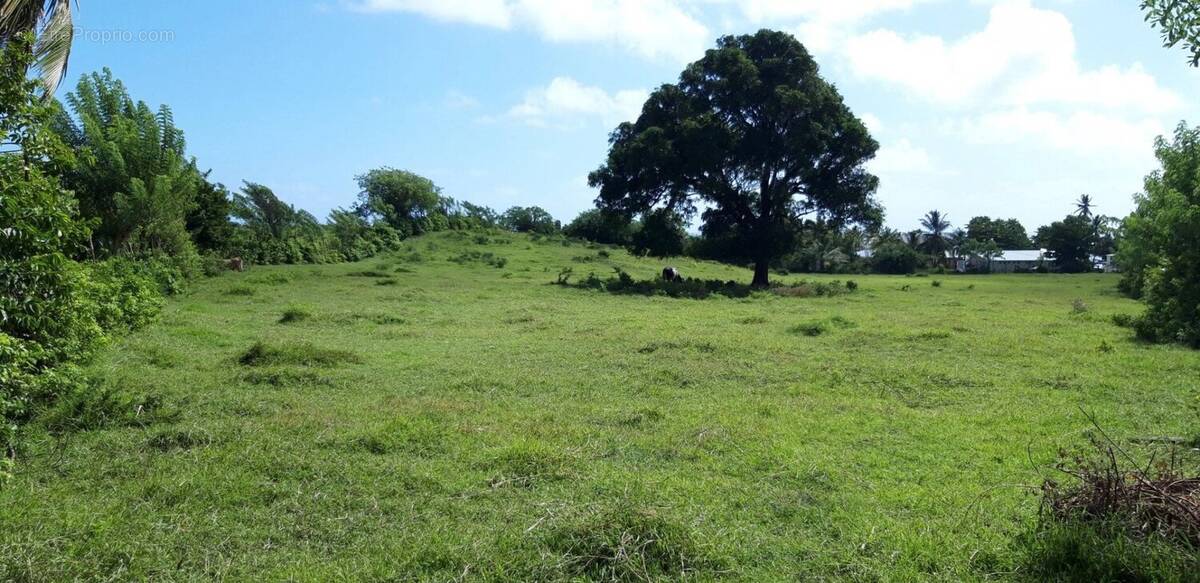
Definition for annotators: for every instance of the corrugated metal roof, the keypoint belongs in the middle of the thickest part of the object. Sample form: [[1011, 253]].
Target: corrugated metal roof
[[1020, 255]]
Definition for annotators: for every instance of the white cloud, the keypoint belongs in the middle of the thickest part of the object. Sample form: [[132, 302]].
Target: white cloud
[[902, 156], [1026, 55], [821, 25], [567, 102], [650, 28], [872, 121], [459, 100], [1088, 133], [494, 13]]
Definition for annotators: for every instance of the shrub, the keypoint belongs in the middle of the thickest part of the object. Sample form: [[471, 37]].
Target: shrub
[[895, 258], [1123, 320], [1108, 491], [1160, 250]]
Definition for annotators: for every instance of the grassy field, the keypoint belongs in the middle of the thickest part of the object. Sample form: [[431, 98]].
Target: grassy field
[[444, 414]]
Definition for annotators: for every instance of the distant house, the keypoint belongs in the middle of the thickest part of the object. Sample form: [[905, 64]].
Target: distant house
[[1009, 261], [1107, 264]]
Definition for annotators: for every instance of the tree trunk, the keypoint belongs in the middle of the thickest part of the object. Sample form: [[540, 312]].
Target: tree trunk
[[761, 273]]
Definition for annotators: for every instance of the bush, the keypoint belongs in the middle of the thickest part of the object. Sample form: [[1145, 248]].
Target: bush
[[1160, 251], [895, 258]]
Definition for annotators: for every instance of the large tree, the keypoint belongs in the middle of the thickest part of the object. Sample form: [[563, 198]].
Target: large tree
[[1069, 242], [1160, 251], [403, 199], [753, 132], [935, 224], [133, 172], [1006, 233], [529, 219]]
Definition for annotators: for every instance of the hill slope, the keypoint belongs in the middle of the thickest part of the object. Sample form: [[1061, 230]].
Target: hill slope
[[444, 413]]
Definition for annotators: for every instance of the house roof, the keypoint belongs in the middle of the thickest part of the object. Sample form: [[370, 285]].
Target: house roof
[[1020, 255]]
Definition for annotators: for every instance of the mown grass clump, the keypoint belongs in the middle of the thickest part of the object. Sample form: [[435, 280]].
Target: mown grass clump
[[627, 541], [299, 354], [285, 377], [823, 326], [814, 328], [419, 436], [526, 464], [369, 273], [100, 405], [178, 440], [240, 290], [295, 314]]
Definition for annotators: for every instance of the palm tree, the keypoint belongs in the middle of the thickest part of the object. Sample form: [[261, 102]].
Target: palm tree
[[936, 224], [1083, 206], [914, 238], [958, 239], [48, 20]]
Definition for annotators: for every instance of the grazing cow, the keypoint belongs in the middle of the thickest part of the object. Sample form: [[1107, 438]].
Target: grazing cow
[[235, 264], [671, 274]]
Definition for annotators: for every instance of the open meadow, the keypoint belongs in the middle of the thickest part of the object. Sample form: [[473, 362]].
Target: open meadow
[[444, 412]]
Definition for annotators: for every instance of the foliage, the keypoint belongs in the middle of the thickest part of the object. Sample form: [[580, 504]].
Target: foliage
[[532, 219], [208, 221], [824, 248], [935, 224], [50, 21], [755, 133], [1006, 233], [410, 203], [659, 234], [132, 171], [44, 316], [895, 258], [1069, 243], [980, 253], [267, 215], [1160, 252], [601, 227], [1179, 22]]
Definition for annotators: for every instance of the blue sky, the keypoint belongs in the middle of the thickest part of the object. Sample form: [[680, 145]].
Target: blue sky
[[1006, 108]]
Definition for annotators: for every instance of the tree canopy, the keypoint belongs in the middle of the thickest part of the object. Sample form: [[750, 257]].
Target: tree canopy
[[1069, 242], [262, 211], [755, 133], [132, 172], [529, 219], [1160, 252], [1179, 23], [401, 198], [601, 227], [1006, 233]]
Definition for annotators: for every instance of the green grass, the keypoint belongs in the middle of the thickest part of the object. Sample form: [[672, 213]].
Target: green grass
[[472, 421]]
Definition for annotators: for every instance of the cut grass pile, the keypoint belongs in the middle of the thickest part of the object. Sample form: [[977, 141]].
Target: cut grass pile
[[470, 422]]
